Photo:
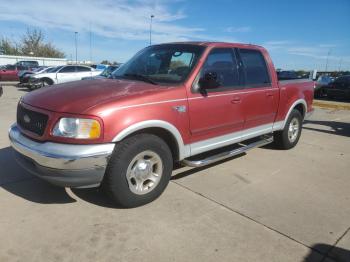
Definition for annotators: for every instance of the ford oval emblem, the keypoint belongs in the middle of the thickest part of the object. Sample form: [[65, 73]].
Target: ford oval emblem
[[26, 119]]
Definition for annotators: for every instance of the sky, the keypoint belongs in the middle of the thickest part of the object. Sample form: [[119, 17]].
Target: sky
[[298, 34]]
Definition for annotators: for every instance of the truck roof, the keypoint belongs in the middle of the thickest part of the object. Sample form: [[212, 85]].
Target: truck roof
[[217, 44]]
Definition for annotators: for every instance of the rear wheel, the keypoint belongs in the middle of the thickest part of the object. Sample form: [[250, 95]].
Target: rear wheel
[[138, 171], [289, 136]]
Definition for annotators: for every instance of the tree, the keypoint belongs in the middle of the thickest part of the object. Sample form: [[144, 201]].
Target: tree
[[105, 62], [8, 48], [31, 44], [177, 63]]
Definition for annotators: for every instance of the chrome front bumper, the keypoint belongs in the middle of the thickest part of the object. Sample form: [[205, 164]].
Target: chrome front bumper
[[62, 164]]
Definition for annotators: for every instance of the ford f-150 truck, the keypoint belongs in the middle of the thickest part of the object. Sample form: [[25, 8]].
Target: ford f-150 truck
[[193, 103]]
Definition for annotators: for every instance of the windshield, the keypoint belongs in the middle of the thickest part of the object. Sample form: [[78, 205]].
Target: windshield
[[165, 64]]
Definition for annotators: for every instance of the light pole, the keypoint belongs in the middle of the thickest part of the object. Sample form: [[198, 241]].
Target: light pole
[[327, 60], [76, 47], [341, 60], [150, 31]]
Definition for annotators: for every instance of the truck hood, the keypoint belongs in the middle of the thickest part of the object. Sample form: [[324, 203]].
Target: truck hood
[[77, 97]]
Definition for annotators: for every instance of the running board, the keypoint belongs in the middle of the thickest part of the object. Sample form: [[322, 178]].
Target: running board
[[264, 140]]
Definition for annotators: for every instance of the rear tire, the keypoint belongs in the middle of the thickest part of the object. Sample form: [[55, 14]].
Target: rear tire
[[139, 170], [289, 136]]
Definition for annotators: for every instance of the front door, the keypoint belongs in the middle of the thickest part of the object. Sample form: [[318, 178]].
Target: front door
[[216, 111], [66, 74]]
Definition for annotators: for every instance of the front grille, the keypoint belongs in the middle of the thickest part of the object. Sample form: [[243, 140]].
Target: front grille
[[30, 120]]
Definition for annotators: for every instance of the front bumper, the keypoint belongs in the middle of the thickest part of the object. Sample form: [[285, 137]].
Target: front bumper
[[64, 165]]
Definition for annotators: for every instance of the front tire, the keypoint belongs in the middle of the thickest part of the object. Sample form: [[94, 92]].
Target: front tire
[[289, 136], [139, 170]]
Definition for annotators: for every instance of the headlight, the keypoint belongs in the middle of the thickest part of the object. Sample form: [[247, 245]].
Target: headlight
[[80, 128]]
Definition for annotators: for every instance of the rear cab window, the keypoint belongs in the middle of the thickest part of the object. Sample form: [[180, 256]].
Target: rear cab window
[[255, 71]]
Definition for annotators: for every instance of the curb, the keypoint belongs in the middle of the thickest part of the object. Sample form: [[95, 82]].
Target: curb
[[331, 105], [8, 83]]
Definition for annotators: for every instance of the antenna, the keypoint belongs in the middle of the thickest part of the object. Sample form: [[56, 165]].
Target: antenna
[[90, 51]]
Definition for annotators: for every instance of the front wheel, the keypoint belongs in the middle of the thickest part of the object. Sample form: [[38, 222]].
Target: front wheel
[[45, 82], [289, 136], [139, 170]]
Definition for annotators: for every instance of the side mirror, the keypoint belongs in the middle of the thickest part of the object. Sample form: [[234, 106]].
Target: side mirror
[[209, 81]]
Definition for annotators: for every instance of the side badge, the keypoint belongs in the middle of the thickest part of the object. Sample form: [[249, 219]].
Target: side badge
[[180, 109]]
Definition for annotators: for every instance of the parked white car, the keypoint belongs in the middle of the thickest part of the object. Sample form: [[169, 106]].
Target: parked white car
[[63, 74]]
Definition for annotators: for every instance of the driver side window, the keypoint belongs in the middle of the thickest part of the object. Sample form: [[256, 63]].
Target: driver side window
[[221, 66]]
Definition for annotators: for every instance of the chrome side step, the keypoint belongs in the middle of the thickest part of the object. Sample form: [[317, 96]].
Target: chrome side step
[[264, 140]]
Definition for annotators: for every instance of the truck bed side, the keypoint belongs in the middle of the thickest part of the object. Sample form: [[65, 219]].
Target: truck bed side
[[293, 92]]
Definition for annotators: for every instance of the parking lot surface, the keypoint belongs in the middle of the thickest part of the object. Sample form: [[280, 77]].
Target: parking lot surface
[[267, 205]]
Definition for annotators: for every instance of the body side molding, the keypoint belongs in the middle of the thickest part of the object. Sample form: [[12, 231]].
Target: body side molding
[[228, 139]]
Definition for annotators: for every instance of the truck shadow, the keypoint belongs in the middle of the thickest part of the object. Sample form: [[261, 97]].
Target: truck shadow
[[338, 128], [98, 197], [328, 251], [19, 182]]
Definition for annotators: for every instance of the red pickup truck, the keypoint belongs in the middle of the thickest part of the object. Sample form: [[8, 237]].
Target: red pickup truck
[[10, 72], [193, 103]]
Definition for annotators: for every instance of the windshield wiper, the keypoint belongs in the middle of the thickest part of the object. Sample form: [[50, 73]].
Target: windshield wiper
[[141, 77]]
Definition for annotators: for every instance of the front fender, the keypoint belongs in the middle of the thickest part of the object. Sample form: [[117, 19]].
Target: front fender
[[184, 151]]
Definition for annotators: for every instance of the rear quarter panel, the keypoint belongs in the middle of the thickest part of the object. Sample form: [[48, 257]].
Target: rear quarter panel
[[290, 92]]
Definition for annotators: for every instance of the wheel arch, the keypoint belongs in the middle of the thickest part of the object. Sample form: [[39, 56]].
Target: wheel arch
[[300, 105], [165, 130], [45, 78]]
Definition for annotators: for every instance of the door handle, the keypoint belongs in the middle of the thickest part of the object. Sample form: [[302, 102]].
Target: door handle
[[236, 100], [268, 94]]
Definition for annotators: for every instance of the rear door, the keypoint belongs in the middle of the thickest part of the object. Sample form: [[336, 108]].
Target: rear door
[[83, 71], [67, 74], [260, 99], [218, 111]]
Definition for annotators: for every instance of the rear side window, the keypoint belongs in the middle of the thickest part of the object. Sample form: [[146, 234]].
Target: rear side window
[[67, 69], [254, 67], [83, 69]]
